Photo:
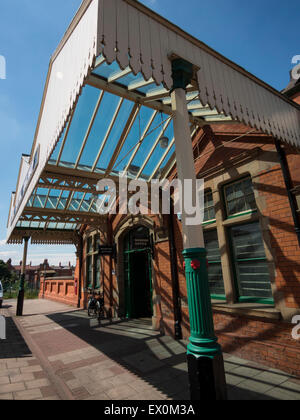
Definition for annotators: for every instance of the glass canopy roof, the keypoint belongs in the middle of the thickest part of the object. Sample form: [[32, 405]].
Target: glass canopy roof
[[116, 127], [99, 127]]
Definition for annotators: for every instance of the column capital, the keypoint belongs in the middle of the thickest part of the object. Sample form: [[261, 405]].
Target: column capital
[[182, 73]]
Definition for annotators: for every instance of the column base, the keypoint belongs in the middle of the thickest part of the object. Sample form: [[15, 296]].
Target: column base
[[207, 378], [204, 347], [20, 303]]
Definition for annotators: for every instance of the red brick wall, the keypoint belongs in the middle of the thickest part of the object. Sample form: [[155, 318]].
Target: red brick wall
[[283, 238], [263, 341], [267, 342], [296, 98], [163, 286], [260, 340], [107, 280], [271, 186], [59, 290]]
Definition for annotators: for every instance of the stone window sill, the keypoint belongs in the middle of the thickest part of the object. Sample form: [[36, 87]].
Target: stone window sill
[[251, 217], [258, 310]]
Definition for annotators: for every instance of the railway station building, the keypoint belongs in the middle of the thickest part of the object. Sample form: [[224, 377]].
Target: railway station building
[[130, 95]]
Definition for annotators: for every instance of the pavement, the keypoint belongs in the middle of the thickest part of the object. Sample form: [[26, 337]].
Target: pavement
[[56, 352]]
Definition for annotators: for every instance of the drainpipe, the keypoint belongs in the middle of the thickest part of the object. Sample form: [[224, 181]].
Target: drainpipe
[[111, 291], [288, 184], [80, 256], [174, 274]]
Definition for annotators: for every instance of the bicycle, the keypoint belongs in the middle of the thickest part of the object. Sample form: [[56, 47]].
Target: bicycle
[[96, 305]]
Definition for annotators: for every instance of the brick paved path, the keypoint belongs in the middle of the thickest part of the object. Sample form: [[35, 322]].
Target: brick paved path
[[21, 375], [120, 360]]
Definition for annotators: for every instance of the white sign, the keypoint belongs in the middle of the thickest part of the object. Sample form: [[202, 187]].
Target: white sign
[[2, 328]]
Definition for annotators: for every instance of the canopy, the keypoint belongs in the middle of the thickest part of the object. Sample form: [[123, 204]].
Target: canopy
[[107, 104]]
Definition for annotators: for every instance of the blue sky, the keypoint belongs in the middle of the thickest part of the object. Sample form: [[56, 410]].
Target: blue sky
[[261, 35]]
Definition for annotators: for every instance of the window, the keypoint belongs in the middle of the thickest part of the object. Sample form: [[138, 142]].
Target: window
[[90, 244], [297, 196], [209, 209], [89, 272], [98, 271], [250, 264], [215, 275], [239, 197], [93, 262]]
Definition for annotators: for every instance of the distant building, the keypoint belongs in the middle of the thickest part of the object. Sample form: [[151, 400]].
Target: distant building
[[33, 272]]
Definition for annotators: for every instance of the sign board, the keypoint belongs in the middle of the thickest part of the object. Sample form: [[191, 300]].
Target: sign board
[[144, 243], [106, 250], [141, 243]]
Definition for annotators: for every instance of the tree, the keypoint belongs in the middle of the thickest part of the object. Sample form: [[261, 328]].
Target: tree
[[4, 271], [7, 277]]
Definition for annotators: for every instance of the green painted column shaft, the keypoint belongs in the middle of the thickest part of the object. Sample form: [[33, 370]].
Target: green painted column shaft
[[22, 283], [20, 301], [203, 341], [204, 355]]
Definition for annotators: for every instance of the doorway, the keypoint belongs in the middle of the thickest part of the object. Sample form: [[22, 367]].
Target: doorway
[[138, 274]]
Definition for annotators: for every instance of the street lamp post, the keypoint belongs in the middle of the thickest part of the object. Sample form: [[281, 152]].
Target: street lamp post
[[20, 302], [204, 354]]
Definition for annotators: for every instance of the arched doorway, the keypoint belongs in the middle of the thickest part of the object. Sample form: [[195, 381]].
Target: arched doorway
[[138, 273]]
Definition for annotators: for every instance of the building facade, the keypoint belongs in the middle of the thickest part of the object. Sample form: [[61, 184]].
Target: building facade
[[113, 95], [252, 250], [33, 273]]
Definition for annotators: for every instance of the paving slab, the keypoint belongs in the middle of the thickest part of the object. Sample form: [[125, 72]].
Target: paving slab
[[80, 358], [18, 366]]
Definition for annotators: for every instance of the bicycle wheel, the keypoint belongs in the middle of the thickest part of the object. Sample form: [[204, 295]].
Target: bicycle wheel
[[96, 310], [101, 312], [90, 310]]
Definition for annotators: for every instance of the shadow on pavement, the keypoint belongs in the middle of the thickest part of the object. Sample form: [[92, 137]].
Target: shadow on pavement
[[159, 360], [14, 346]]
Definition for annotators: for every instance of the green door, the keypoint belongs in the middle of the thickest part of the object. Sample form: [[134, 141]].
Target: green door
[[138, 276]]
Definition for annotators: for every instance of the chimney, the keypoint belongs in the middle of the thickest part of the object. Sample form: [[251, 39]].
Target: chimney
[[293, 88], [69, 264], [60, 265]]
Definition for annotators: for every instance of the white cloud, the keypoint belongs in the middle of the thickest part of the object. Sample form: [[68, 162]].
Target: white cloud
[[37, 254], [151, 2], [4, 253]]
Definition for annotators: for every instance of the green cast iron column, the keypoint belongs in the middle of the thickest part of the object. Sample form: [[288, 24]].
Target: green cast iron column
[[204, 354], [20, 302], [203, 341]]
